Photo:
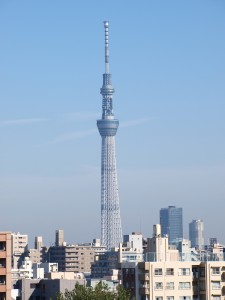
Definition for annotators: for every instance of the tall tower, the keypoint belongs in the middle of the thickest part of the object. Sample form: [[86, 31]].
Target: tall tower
[[111, 231]]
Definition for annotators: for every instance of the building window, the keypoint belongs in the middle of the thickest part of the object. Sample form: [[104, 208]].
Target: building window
[[2, 246], [169, 271], [170, 298], [159, 298], [170, 285], [215, 285], [158, 285], [216, 271], [185, 298], [184, 285], [216, 298], [158, 271], [184, 271]]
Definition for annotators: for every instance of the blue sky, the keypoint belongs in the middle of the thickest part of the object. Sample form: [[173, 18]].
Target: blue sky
[[168, 66]]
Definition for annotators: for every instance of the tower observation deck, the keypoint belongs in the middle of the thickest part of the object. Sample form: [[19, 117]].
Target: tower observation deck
[[111, 231]]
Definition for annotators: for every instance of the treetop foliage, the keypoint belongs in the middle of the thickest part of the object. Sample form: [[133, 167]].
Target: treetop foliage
[[99, 292]]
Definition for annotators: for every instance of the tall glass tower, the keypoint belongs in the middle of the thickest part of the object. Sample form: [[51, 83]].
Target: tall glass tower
[[171, 220], [111, 231]]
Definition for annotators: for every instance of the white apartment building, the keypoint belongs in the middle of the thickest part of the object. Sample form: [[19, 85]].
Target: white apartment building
[[132, 248], [19, 245]]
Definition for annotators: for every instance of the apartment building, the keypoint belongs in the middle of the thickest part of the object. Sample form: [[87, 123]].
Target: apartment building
[[181, 280], [39, 253], [19, 246], [5, 266], [72, 258], [170, 275]]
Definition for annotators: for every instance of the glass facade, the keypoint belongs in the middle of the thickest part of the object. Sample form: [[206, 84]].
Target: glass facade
[[171, 220]]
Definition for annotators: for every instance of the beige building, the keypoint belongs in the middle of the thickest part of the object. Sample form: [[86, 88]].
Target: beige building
[[73, 258], [167, 274], [181, 280], [5, 266], [38, 254], [19, 245], [38, 242], [59, 237]]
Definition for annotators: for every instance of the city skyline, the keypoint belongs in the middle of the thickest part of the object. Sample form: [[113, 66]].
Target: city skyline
[[168, 70]]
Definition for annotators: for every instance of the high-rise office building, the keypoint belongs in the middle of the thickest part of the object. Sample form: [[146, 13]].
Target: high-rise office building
[[111, 231], [171, 220], [196, 234]]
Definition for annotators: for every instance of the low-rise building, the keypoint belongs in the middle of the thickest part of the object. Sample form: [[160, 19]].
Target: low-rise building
[[44, 289]]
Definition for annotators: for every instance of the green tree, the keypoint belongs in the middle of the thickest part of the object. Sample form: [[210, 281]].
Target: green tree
[[100, 292], [122, 293]]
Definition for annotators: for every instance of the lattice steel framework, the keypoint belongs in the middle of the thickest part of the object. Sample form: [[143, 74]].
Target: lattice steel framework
[[111, 231]]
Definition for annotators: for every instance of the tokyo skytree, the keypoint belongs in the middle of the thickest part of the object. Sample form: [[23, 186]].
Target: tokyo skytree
[[111, 231]]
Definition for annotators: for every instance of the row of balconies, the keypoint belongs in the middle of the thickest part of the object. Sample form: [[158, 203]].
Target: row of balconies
[[145, 277], [167, 287], [216, 290]]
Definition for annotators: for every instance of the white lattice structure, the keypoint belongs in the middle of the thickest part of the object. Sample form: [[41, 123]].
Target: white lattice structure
[[111, 232]]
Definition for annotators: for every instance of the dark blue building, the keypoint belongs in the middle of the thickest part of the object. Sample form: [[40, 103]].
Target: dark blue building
[[171, 220]]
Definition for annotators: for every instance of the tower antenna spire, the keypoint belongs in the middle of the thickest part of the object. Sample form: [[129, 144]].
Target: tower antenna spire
[[106, 25]]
